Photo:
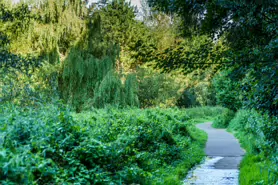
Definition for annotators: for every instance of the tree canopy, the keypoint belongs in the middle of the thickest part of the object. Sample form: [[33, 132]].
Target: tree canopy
[[248, 29]]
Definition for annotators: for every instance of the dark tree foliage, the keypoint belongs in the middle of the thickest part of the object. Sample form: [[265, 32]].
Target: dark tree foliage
[[252, 37], [20, 16], [117, 19], [197, 16], [251, 33]]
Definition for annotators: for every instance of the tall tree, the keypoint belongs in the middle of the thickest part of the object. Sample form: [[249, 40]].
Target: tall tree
[[89, 77], [250, 31]]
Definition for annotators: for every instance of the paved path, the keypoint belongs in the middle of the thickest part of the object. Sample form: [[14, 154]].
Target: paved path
[[222, 144], [224, 156]]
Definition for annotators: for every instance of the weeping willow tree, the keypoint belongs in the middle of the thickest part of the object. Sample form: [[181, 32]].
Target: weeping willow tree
[[89, 77], [66, 37], [44, 30], [53, 27]]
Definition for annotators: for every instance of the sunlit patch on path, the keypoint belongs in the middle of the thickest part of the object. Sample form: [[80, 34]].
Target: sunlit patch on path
[[224, 156], [206, 174]]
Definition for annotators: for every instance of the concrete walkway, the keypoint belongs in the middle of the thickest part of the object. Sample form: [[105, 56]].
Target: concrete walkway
[[222, 144], [224, 156]]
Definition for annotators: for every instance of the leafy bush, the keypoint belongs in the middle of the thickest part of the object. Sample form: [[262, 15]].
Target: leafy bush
[[201, 114], [259, 128], [227, 91], [48, 144], [259, 85], [28, 84], [187, 99], [223, 120], [157, 89]]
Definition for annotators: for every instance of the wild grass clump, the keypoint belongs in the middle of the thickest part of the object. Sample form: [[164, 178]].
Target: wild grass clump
[[256, 169]]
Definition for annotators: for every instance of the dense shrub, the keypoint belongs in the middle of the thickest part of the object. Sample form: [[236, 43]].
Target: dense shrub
[[24, 84], [227, 91], [223, 120], [48, 144], [156, 89], [261, 129], [209, 113], [258, 135], [187, 99]]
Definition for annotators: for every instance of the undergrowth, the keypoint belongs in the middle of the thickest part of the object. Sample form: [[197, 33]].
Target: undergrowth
[[258, 135], [51, 145], [257, 169], [223, 120]]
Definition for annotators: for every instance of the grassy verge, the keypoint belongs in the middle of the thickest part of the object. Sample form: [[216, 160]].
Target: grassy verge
[[256, 134], [256, 169], [173, 175], [51, 145]]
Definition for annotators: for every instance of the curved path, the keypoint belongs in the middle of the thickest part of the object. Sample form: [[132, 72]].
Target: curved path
[[224, 156]]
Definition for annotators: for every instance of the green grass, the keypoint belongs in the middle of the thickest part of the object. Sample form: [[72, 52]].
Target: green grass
[[255, 169]]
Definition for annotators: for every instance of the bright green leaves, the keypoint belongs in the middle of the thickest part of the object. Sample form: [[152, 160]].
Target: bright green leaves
[[191, 54], [46, 144]]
